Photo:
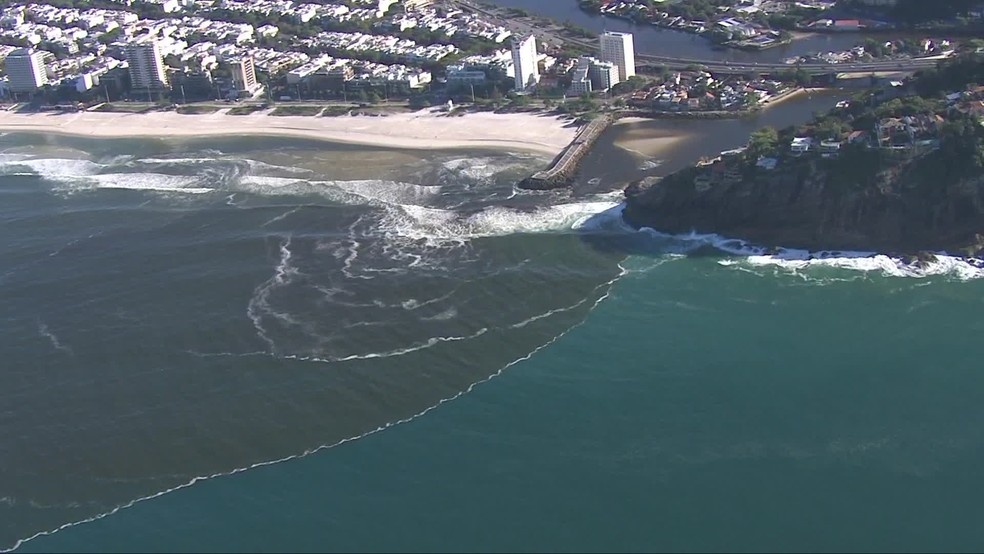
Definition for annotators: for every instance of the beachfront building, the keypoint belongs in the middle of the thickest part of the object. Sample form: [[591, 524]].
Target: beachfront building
[[244, 76], [592, 75], [618, 48], [603, 75], [580, 81], [524, 57], [146, 66], [25, 70]]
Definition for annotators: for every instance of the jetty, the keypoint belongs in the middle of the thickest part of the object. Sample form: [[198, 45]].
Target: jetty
[[561, 172]]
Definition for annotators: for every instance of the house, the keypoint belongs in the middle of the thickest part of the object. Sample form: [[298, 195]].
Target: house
[[857, 137], [830, 148], [800, 145], [973, 107], [893, 132]]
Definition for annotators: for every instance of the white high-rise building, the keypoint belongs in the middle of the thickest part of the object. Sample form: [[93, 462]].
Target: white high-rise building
[[244, 76], [146, 65], [603, 75], [25, 70], [592, 75], [618, 49], [524, 62]]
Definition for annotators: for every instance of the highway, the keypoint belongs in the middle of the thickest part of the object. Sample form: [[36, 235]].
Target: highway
[[719, 66]]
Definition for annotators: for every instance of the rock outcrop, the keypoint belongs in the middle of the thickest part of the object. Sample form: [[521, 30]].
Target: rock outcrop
[[905, 207]]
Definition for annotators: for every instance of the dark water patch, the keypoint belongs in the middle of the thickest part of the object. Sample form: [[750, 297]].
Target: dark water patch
[[173, 314]]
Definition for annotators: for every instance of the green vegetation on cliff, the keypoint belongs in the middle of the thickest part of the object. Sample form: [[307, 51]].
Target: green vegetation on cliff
[[899, 169]]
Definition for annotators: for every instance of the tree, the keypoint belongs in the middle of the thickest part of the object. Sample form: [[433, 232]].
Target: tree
[[763, 142], [830, 128]]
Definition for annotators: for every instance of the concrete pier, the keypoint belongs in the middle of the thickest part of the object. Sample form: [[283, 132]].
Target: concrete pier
[[564, 167]]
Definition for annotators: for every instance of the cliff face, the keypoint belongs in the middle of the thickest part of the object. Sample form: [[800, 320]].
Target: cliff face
[[812, 204]]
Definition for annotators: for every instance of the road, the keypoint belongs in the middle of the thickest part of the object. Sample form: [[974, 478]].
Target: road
[[717, 66]]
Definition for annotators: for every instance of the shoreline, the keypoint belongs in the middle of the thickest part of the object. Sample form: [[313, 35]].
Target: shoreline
[[918, 263], [422, 130], [642, 114]]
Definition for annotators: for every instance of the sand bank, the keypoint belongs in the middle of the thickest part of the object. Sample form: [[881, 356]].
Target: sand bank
[[426, 129]]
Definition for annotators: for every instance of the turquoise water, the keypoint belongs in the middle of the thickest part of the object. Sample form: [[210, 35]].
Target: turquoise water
[[699, 406]]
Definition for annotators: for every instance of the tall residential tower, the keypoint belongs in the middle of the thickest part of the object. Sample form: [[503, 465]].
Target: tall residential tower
[[25, 70], [244, 76], [524, 62], [618, 49], [146, 65]]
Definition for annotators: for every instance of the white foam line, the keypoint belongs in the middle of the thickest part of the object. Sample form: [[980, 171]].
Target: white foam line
[[45, 332], [549, 313], [433, 341], [792, 259], [282, 275], [329, 446], [72, 243], [353, 254], [413, 304], [282, 216], [227, 354]]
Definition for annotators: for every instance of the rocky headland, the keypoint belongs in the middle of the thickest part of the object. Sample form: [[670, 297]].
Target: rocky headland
[[898, 172]]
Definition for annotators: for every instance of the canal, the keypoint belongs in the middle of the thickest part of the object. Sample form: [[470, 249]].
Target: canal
[[664, 42]]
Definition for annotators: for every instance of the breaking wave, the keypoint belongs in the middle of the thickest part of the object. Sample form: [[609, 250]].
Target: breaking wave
[[796, 261]]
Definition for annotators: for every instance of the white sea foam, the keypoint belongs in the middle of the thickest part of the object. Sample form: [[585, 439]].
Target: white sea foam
[[8, 157], [282, 216], [429, 343], [959, 268], [446, 315], [797, 261], [168, 161], [414, 304], [146, 182], [259, 304], [390, 192], [319, 448], [418, 222], [477, 169], [547, 314], [257, 165], [46, 333], [78, 174], [53, 169]]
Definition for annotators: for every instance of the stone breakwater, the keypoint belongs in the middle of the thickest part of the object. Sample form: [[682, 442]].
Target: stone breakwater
[[564, 167]]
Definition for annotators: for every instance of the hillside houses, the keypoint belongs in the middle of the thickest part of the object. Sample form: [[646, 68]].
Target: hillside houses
[[700, 91]]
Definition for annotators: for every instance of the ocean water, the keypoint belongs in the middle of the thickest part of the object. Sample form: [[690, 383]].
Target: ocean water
[[282, 345]]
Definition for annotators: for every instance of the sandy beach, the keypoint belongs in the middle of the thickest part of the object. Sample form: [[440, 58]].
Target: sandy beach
[[425, 129]]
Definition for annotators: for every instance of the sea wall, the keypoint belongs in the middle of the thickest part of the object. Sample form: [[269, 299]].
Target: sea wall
[[562, 170]]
